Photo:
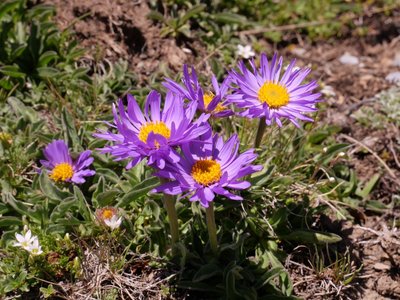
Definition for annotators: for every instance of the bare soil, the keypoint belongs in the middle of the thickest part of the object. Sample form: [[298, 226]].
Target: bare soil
[[118, 29]]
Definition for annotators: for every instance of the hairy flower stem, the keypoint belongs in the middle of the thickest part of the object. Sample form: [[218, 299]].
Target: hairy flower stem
[[260, 132], [212, 228], [169, 204]]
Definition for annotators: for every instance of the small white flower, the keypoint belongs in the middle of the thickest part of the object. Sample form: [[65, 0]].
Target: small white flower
[[325, 149], [35, 248], [113, 222], [331, 179], [341, 154], [245, 51], [25, 240]]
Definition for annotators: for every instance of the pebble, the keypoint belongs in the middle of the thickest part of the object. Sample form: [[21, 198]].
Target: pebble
[[393, 77], [348, 59], [396, 61]]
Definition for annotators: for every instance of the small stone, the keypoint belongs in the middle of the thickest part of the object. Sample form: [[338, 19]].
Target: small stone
[[298, 51], [381, 266], [348, 59], [393, 77], [328, 91], [396, 61]]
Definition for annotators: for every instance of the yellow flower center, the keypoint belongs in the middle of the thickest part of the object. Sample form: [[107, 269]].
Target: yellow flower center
[[206, 171], [275, 95], [62, 172], [156, 127], [107, 213], [207, 98]]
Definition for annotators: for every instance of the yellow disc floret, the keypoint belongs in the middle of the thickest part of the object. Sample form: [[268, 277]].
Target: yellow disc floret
[[107, 213], [206, 171], [274, 94], [62, 172], [207, 98], [155, 127]]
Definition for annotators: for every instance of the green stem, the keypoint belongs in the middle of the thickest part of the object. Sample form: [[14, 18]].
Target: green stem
[[169, 204], [260, 132], [212, 228]]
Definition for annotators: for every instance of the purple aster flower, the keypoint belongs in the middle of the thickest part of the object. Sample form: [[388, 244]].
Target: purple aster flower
[[263, 92], [202, 174], [212, 102], [156, 133], [61, 167]]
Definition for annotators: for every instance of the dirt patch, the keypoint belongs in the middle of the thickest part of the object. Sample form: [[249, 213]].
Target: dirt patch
[[114, 29], [378, 248], [348, 88], [365, 265]]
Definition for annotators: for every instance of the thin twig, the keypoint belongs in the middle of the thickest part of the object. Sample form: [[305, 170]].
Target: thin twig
[[209, 55], [389, 170], [391, 147], [282, 28]]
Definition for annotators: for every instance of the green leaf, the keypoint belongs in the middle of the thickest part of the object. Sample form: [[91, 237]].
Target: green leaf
[[3, 208], [231, 276], [47, 57], [49, 291], [206, 272], [22, 208], [138, 191], [47, 72], [268, 276], [69, 129], [12, 71], [368, 187], [8, 6], [108, 174], [61, 210], [35, 43], [352, 186], [82, 204], [376, 206], [107, 197], [156, 16], [263, 178], [278, 218], [229, 18], [313, 237], [100, 187], [318, 137], [6, 221], [50, 190], [191, 13], [154, 209], [21, 110]]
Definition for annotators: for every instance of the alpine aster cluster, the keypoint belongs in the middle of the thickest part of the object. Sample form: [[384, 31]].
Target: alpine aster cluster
[[177, 140]]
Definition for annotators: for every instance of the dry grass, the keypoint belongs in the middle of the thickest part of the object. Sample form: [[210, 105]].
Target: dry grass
[[107, 275]]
